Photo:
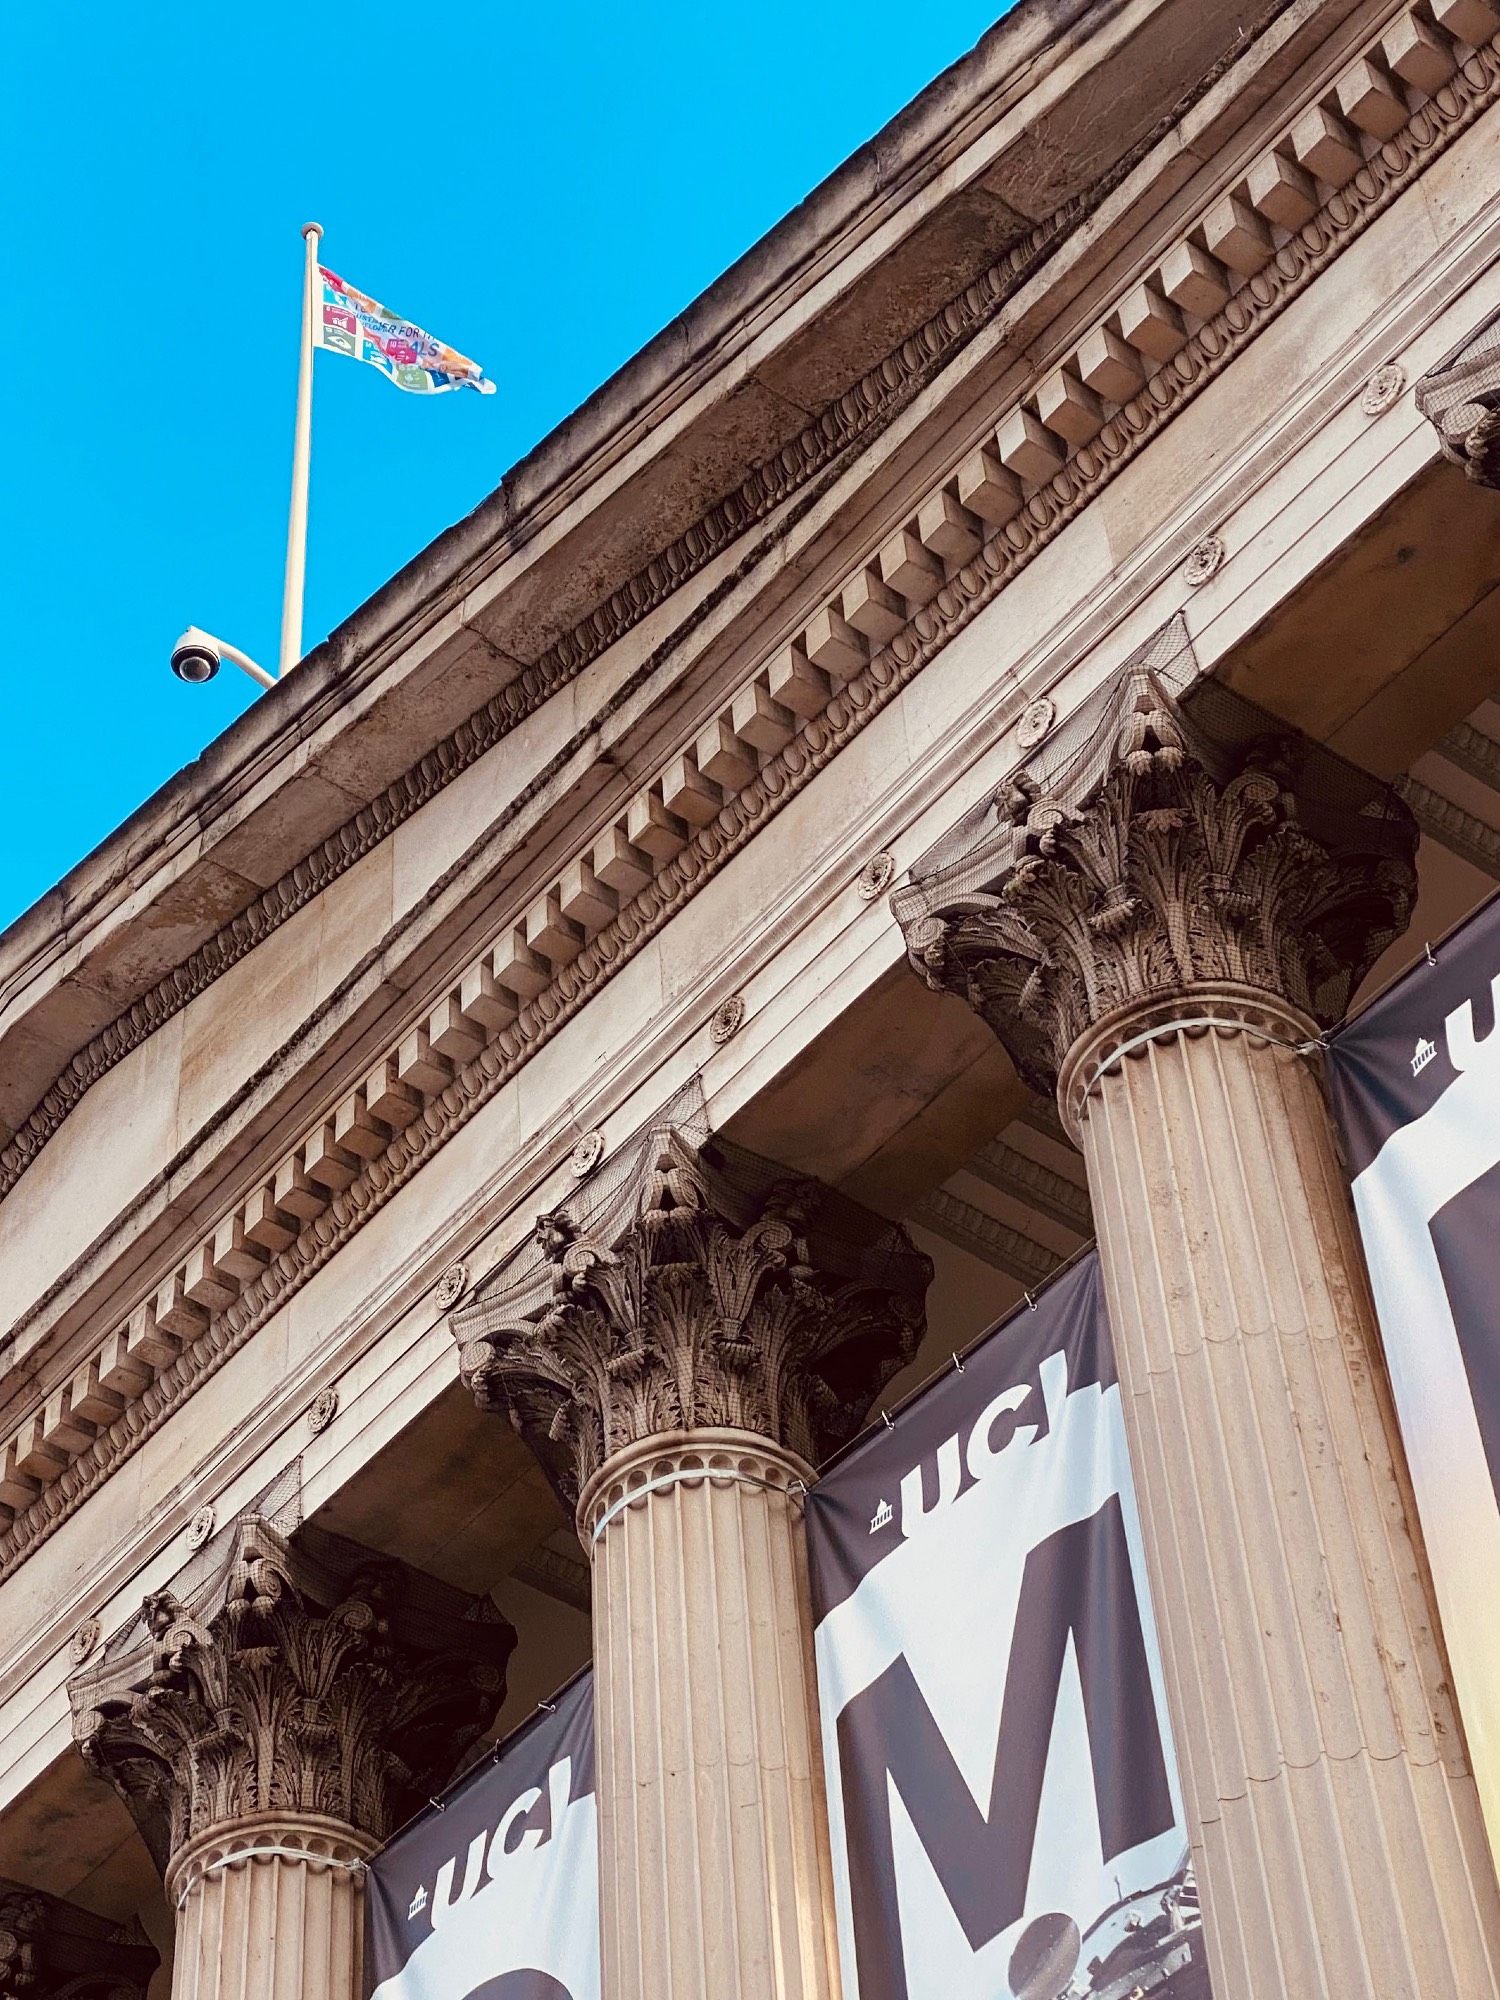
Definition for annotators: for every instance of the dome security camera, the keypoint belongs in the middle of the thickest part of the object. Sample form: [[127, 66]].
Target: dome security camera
[[196, 657]]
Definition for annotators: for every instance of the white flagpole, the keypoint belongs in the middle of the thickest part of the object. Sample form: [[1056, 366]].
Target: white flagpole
[[296, 533]]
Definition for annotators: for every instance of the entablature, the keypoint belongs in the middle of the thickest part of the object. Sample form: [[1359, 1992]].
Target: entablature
[[923, 495], [803, 349], [448, 1032], [241, 821]]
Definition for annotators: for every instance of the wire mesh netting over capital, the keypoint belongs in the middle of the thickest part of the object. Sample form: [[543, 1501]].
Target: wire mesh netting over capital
[[262, 1557], [1460, 397]]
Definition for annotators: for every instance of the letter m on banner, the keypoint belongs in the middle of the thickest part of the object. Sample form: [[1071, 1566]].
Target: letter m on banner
[[1002, 1792], [1076, 1589]]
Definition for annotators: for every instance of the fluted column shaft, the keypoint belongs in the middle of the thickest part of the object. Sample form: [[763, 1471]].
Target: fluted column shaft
[[270, 1907], [715, 1876], [688, 1343], [1181, 865], [1334, 1817]]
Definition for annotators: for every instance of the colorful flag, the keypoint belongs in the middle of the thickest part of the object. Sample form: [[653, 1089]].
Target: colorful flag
[[350, 322]]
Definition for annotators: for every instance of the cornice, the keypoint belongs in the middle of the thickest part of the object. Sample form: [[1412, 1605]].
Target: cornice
[[851, 420], [472, 1083], [848, 421]]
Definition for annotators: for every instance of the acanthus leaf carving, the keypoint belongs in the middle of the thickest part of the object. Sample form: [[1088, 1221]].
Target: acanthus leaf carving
[[1195, 859], [304, 1677], [1434, 127], [1461, 399], [710, 1299]]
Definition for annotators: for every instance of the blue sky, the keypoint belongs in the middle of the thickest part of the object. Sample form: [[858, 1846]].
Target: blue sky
[[543, 187]]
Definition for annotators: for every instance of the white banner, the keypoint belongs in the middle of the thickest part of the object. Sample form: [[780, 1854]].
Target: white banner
[[1002, 1792], [1416, 1084], [496, 1895]]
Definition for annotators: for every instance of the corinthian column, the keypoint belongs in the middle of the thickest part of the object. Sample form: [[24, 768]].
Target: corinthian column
[[679, 1361], [49, 1950], [268, 1728], [1161, 934]]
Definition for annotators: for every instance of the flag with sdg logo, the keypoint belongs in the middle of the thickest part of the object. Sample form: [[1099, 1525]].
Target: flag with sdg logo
[[350, 322]]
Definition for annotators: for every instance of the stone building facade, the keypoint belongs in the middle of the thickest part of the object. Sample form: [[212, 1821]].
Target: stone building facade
[[966, 708]]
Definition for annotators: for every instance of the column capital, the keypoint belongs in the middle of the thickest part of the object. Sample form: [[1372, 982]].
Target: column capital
[[703, 1290], [1461, 399], [50, 1949], [1207, 850], [305, 1678]]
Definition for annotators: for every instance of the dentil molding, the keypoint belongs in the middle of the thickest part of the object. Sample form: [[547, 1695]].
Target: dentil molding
[[853, 418], [458, 1089]]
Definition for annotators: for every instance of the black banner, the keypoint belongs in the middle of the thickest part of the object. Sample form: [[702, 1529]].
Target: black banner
[[1416, 1087], [1002, 1791], [496, 1896]]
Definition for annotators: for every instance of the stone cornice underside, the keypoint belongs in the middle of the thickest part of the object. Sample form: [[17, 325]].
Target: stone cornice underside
[[852, 420], [973, 585]]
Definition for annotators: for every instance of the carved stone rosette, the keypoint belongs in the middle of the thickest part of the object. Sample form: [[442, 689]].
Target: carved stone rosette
[[312, 1679], [50, 1950], [1187, 864], [708, 1294]]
